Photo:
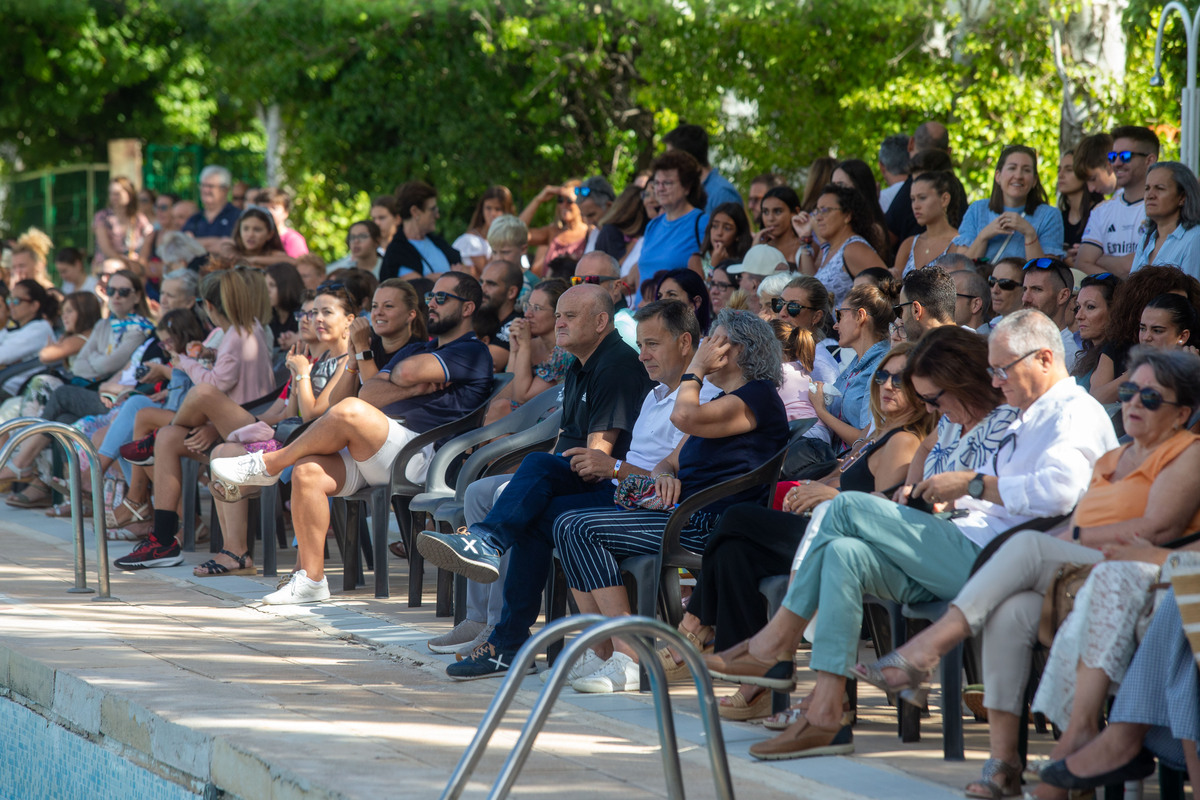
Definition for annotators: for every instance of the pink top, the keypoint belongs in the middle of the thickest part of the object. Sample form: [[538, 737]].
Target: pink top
[[293, 243], [125, 239], [242, 369]]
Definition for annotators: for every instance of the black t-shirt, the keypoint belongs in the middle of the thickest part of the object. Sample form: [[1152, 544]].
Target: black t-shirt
[[899, 216], [605, 393], [467, 366], [379, 355], [501, 339]]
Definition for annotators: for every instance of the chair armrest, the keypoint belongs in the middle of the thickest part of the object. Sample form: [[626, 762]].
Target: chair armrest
[[767, 474], [21, 367], [481, 458]]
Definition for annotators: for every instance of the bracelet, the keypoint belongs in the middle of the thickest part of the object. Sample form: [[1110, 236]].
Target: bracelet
[[299, 378], [659, 475], [351, 371], [617, 469]]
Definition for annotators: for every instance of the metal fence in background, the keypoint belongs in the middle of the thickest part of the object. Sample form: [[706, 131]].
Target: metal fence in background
[[61, 201], [176, 168]]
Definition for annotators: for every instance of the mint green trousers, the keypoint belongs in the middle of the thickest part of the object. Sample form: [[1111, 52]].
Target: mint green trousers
[[868, 545]]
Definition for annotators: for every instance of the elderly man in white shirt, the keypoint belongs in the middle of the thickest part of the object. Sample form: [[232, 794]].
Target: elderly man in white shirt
[[667, 336], [869, 545]]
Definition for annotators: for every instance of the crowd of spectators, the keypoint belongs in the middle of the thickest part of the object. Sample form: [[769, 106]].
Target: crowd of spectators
[[948, 377]]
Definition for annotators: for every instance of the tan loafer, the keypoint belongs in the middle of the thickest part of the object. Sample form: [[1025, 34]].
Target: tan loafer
[[802, 739], [738, 665]]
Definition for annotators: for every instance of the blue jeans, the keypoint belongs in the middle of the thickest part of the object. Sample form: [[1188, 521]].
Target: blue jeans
[[522, 521], [120, 430]]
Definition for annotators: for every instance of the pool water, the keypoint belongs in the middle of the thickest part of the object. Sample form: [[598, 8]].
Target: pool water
[[43, 761]]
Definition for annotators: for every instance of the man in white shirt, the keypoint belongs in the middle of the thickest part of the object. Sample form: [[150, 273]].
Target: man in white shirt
[[1113, 227], [869, 545], [1047, 284], [667, 334]]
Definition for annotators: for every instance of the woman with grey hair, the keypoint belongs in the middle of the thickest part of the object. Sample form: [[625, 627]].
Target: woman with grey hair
[[1172, 211], [1134, 506], [725, 437], [771, 288]]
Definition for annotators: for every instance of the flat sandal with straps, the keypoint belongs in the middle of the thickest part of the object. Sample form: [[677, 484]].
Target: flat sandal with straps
[[213, 568]]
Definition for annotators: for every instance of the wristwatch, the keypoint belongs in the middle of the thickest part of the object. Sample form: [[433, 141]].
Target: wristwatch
[[691, 376], [975, 486], [365, 355]]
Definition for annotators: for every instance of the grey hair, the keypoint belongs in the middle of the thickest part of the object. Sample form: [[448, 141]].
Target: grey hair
[[954, 262], [893, 153], [1030, 329], [1184, 178], [189, 280], [774, 284], [178, 246], [606, 262], [762, 355], [224, 175], [1177, 370]]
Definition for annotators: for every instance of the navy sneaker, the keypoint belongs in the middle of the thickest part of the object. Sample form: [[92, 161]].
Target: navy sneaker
[[150, 553], [485, 662], [462, 553]]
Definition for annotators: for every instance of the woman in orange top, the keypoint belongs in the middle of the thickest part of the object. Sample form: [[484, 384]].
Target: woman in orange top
[[1137, 500]]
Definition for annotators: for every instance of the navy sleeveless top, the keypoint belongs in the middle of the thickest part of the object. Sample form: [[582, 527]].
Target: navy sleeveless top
[[706, 462]]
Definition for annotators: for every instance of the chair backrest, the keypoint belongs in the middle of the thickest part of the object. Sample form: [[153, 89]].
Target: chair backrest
[[498, 457], [523, 418], [21, 367], [473, 419], [765, 475]]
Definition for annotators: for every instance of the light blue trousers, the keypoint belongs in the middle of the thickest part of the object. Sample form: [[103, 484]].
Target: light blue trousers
[[868, 545]]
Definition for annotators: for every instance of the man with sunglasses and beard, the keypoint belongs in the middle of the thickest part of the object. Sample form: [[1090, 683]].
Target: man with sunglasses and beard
[[354, 444], [1113, 229], [1047, 286], [603, 270]]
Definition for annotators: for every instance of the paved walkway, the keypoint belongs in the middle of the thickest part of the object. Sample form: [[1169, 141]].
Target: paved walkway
[[193, 678]]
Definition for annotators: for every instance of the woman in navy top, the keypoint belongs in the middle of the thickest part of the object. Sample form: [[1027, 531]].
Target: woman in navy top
[[730, 435]]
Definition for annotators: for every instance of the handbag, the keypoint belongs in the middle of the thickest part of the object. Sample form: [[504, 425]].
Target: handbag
[[1059, 599], [637, 491]]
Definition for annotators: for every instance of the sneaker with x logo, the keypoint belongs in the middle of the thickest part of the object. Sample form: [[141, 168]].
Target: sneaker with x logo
[[485, 662], [463, 553]]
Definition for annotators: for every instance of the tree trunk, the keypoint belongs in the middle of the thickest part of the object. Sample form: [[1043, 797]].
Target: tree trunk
[[1089, 53]]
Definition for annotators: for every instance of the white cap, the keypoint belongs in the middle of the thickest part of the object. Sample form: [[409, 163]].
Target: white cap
[[762, 259]]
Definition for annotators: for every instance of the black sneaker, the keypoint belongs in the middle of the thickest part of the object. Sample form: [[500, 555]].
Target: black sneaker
[[485, 662], [462, 553], [150, 553]]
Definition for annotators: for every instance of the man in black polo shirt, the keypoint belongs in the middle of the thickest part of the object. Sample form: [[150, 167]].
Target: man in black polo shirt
[[214, 222], [601, 402], [354, 444], [501, 281]]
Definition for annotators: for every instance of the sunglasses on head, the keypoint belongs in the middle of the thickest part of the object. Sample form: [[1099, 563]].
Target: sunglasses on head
[[593, 279], [1005, 284], [126, 291], [882, 376], [1047, 263], [330, 287], [441, 297], [1124, 156], [793, 308], [1152, 399], [1103, 278], [583, 191]]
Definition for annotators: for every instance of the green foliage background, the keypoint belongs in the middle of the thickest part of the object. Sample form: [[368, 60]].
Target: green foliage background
[[528, 92]]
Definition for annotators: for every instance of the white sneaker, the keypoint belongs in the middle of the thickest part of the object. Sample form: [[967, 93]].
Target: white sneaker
[[481, 637], [588, 665], [619, 674], [463, 633], [298, 590], [247, 469]]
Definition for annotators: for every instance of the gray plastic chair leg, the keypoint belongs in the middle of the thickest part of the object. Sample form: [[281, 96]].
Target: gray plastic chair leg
[[190, 481]]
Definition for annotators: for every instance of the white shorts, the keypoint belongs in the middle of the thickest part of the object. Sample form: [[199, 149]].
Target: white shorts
[[377, 470]]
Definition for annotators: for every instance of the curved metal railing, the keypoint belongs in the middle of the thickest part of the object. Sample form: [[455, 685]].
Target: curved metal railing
[[638, 632], [22, 428]]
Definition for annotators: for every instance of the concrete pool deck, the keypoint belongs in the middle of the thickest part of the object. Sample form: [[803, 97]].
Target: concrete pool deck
[[192, 679]]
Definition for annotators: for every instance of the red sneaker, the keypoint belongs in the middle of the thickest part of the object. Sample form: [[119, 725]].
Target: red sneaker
[[140, 452]]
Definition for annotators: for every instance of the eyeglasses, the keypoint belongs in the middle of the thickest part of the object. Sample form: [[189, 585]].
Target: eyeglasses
[[126, 291], [793, 308], [1005, 284], [932, 402], [441, 297], [899, 307], [562, 201], [358, 237], [213, 186], [304, 316], [1001, 373], [15, 301], [593, 279], [965, 296], [882, 376], [536, 309], [721, 285], [839, 311], [664, 184], [1152, 399], [1124, 156], [821, 211], [162, 206]]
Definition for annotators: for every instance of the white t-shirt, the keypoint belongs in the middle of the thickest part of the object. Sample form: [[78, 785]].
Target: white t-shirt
[[1115, 226]]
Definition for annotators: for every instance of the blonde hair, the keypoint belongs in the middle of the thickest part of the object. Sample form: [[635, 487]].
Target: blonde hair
[[38, 245], [739, 300], [798, 343], [230, 292], [507, 231]]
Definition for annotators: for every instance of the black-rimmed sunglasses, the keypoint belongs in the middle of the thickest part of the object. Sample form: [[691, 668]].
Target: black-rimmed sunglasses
[[793, 308], [1005, 284], [1152, 399], [441, 297]]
